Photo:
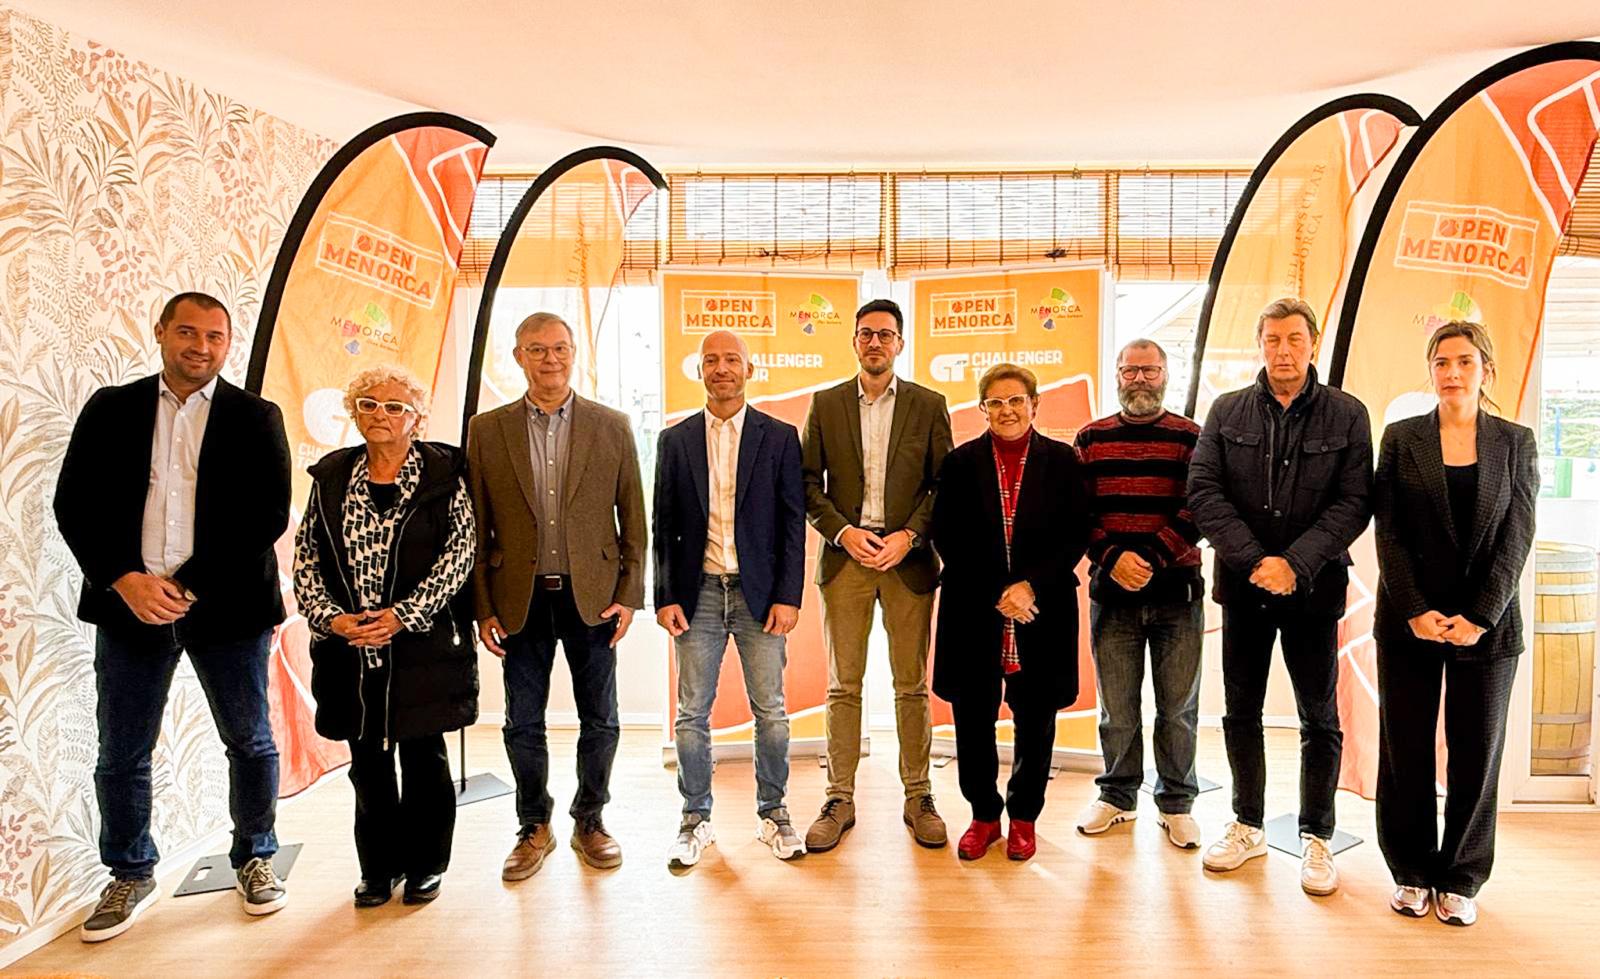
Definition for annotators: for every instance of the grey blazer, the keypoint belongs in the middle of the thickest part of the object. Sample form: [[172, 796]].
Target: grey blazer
[[604, 513], [835, 474], [1421, 564]]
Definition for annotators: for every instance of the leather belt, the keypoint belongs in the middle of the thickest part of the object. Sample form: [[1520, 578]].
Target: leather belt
[[550, 582]]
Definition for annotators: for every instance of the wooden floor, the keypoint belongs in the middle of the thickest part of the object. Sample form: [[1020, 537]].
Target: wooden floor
[[1126, 903]]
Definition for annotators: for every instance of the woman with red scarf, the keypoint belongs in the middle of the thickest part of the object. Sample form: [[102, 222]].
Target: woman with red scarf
[[1010, 524]]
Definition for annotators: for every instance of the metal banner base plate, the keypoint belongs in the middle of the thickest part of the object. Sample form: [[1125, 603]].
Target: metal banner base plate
[[215, 873], [1283, 833], [476, 788]]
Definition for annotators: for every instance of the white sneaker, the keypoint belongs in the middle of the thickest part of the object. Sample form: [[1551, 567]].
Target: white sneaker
[[1238, 844], [1100, 816], [1411, 901], [1453, 909], [1318, 875], [1182, 831], [778, 832], [694, 835]]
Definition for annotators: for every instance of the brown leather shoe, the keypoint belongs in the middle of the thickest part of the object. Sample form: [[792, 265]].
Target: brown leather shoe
[[837, 816], [925, 823], [528, 855], [595, 846]]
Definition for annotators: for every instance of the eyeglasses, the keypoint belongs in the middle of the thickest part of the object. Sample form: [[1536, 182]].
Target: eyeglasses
[[1149, 371], [538, 351], [394, 409], [1015, 403], [885, 337]]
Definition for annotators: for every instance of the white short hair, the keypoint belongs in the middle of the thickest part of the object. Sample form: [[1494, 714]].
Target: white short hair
[[372, 377]]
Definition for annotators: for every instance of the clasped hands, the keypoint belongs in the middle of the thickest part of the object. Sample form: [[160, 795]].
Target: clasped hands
[[872, 551], [1273, 574], [152, 599], [372, 628], [1017, 603], [1453, 629]]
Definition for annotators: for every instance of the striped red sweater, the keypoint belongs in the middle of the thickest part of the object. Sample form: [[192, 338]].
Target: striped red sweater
[[1137, 476]]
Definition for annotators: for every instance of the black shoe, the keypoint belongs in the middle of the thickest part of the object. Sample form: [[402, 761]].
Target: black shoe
[[120, 903], [421, 890], [371, 893]]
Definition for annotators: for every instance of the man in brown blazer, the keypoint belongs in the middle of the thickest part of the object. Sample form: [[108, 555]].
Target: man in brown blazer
[[561, 545], [871, 450]]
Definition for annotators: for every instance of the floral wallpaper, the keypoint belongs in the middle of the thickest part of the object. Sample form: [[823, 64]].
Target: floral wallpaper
[[119, 185]]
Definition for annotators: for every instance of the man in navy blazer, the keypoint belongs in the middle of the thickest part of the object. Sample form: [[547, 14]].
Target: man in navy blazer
[[730, 520]]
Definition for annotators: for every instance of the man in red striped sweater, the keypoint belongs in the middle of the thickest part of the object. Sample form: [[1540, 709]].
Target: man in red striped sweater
[[1147, 590]]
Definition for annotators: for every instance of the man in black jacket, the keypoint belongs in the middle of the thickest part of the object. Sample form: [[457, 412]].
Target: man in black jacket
[[172, 494], [1279, 484]]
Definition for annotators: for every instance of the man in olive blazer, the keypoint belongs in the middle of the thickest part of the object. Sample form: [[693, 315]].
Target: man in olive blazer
[[871, 451], [561, 544]]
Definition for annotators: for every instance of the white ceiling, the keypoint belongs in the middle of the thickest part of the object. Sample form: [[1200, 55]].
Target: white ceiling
[[859, 83]]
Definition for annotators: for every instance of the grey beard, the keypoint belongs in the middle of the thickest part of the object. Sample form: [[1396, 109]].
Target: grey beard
[[1142, 402]]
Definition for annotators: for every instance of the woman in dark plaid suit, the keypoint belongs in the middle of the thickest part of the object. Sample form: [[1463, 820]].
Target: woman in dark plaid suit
[[1454, 502]]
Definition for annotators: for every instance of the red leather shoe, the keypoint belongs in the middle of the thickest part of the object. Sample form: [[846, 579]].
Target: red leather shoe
[[1020, 841], [978, 838]]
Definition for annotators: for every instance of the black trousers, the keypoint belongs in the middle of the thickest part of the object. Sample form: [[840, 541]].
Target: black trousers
[[1310, 651], [1477, 694], [403, 828], [978, 761]]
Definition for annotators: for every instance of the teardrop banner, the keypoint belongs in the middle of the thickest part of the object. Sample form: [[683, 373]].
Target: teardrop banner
[[365, 276], [1291, 233], [1466, 227]]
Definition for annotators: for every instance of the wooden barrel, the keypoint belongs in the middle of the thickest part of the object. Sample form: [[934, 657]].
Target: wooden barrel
[[1563, 657]]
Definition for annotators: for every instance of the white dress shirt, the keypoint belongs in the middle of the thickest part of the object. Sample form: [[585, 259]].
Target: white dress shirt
[[877, 419], [722, 467], [167, 535]]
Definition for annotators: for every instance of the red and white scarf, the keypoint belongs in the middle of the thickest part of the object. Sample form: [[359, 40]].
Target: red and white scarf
[[1009, 661]]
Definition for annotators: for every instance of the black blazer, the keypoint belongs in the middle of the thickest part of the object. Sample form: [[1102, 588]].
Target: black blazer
[[1047, 541], [1422, 565], [769, 524], [241, 509]]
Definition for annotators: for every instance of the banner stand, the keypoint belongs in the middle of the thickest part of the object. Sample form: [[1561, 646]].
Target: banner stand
[[477, 788], [1206, 785], [1283, 834], [212, 874]]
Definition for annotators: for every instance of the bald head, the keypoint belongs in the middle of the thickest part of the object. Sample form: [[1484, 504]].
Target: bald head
[[722, 340], [725, 367]]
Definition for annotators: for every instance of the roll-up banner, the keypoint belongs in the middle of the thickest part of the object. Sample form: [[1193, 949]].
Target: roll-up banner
[[799, 328], [1466, 227], [365, 276], [1290, 233], [1051, 322]]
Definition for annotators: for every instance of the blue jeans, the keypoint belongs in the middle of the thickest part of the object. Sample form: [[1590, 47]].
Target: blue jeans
[[721, 612], [530, 655], [133, 672], [1174, 633]]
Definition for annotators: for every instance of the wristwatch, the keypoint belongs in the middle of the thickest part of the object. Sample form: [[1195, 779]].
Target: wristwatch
[[915, 539]]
